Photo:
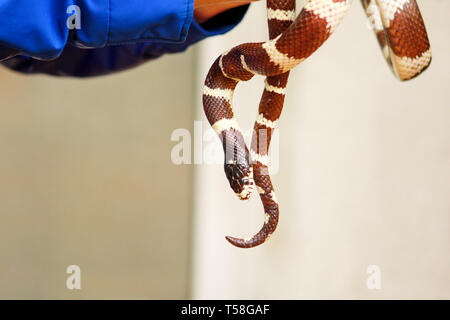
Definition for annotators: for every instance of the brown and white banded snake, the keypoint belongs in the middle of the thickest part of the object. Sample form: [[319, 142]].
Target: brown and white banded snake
[[400, 30]]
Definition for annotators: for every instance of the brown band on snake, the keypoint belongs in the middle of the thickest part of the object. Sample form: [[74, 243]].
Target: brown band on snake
[[407, 24], [402, 35]]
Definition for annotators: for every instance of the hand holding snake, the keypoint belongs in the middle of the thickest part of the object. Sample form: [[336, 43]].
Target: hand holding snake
[[400, 31]]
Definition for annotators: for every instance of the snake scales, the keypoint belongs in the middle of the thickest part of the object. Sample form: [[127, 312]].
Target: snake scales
[[400, 30]]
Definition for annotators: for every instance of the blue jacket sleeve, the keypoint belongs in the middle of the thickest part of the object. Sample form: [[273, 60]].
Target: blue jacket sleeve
[[91, 52]]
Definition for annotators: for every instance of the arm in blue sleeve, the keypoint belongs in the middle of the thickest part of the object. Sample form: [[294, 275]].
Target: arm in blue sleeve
[[41, 29], [76, 60]]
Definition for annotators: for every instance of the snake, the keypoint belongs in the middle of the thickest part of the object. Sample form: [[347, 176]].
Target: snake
[[402, 36]]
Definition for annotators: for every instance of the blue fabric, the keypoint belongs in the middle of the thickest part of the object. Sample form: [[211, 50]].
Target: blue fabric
[[115, 35], [39, 28]]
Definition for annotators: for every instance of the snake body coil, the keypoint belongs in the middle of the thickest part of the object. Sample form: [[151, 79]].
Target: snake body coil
[[400, 31]]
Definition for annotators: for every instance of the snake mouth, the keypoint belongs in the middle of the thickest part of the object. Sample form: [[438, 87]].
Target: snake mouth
[[246, 192], [240, 177]]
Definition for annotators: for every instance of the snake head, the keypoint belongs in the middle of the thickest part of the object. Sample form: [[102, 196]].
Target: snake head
[[240, 177]]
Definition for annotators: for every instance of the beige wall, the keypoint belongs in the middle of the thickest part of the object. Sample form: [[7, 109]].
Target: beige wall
[[86, 179], [364, 176]]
